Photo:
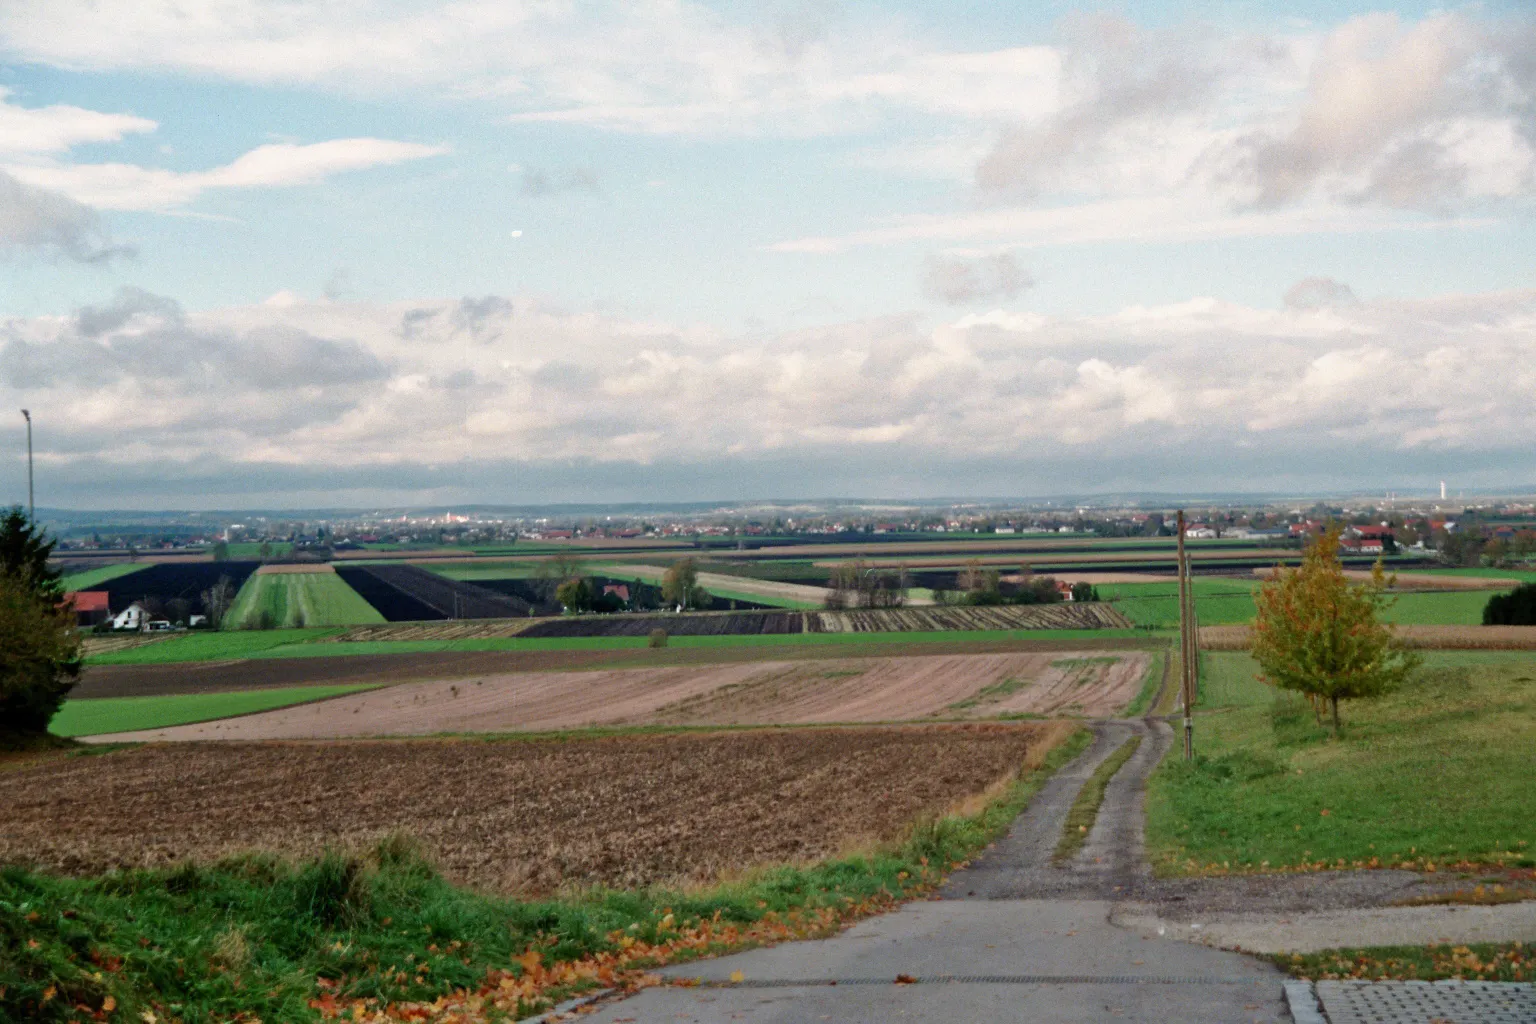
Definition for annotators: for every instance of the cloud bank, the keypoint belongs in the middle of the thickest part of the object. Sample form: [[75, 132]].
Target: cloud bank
[[496, 398]]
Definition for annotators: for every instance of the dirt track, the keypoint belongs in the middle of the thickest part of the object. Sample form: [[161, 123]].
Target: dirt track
[[520, 815]]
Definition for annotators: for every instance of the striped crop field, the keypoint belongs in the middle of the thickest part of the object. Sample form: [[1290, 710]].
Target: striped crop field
[[280, 600]]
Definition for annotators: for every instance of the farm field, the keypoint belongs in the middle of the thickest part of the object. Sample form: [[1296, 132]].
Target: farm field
[[290, 597], [92, 577], [1439, 772], [672, 808], [409, 593], [121, 714], [169, 581], [220, 645], [1429, 637], [803, 691], [1230, 602], [768, 592]]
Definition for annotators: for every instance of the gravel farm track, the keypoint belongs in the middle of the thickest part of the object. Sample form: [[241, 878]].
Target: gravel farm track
[[519, 816], [922, 687]]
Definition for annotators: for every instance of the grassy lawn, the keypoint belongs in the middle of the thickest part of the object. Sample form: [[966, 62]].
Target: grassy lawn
[[1523, 575], [123, 714], [1230, 602], [95, 577], [295, 600], [1490, 961], [1438, 772], [250, 938], [1218, 602], [485, 571], [1453, 608], [299, 643], [210, 646]]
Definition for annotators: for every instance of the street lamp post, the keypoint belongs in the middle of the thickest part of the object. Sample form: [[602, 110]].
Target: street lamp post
[[31, 506]]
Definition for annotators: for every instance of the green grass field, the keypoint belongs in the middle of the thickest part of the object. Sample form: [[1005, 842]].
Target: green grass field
[[1439, 771], [299, 643], [95, 577], [210, 646], [125, 714], [486, 571], [1230, 602], [250, 550], [1523, 575], [296, 600]]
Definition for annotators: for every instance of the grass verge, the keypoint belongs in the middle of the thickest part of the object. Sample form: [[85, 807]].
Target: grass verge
[[1484, 961], [256, 938], [1432, 776], [1151, 686], [126, 714], [1085, 809]]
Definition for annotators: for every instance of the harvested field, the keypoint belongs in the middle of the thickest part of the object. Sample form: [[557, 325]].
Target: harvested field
[[292, 568], [751, 692], [912, 688], [112, 642], [882, 620], [259, 673], [788, 595], [514, 816], [1446, 638], [457, 629]]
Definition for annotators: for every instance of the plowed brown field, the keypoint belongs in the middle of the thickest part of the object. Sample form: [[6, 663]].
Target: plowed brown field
[[762, 692], [516, 816]]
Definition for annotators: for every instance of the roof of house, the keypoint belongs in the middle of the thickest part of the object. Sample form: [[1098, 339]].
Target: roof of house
[[88, 600]]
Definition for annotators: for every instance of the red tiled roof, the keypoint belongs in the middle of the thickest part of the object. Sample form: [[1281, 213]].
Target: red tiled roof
[[87, 600]]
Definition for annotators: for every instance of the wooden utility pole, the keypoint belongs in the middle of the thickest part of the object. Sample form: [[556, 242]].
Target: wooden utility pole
[[1187, 644]]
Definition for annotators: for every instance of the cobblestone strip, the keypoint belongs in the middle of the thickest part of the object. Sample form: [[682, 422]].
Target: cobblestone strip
[[1423, 1002]]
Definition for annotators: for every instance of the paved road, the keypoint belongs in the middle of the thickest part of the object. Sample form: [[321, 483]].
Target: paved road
[[1010, 939], [1018, 938]]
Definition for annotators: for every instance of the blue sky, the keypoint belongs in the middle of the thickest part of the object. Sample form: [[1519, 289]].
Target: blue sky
[[547, 251]]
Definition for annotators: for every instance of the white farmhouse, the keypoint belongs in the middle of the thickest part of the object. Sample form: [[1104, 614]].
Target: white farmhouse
[[132, 617]]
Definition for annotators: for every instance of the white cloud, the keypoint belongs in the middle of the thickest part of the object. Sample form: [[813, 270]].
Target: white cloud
[[56, 128], [116, 186], [389, 389]]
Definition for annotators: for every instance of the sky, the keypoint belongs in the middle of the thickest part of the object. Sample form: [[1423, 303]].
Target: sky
[[272, 253]]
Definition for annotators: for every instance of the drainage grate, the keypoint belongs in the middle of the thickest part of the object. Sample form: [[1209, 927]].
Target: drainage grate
[[983, 979]]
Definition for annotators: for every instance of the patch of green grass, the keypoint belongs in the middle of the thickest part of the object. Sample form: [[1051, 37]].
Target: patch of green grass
[[1218, 602], [485, 571], [298, 599], [1450, 608], [1479, 961], [250, 550], [1523, 575], [126, 714], [1085, 808], [95, 577], [211, 646], [1151, 682], [1437, 772], [250, 937], [991, 694]]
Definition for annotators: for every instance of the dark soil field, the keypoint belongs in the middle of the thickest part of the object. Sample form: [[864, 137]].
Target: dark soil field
[[514, 816], [409, 593], [167, 582]]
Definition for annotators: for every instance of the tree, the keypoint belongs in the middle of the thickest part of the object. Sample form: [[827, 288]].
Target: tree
[[1319, 634], [220, 551], [217, 599], [24, 554], [39, 659], [1516, 608], [680, 586], [575, 594], [1084, 592]]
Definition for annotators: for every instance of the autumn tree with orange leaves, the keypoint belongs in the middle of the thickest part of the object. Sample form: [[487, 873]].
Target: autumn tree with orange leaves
[[1320, 634]]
